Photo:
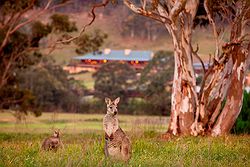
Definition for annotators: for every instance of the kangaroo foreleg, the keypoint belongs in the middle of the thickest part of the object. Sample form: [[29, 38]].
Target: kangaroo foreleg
[[106, 148]]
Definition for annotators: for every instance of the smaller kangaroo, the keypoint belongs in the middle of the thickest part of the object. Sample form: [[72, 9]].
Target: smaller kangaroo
[[52, 143], [117, 143]]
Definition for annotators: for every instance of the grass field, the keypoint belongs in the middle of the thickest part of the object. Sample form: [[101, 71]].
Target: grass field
[[78, 123], [83, 143]]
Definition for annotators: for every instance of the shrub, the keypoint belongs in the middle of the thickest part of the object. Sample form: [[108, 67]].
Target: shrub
[[242, 124]]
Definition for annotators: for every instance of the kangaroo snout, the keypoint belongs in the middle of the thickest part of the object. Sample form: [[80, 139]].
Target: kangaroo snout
[[115, 112]]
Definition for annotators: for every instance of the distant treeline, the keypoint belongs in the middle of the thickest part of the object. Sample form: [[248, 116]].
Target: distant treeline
[[129, 24]]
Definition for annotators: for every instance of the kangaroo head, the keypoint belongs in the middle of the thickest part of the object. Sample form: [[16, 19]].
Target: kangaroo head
[[112, 105], [56, 133]]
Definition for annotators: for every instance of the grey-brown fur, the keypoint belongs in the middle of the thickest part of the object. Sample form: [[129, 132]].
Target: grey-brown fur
[[117, 143], [53, 142]]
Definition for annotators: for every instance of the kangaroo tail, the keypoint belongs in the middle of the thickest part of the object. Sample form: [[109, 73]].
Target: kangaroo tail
[[126, 149]]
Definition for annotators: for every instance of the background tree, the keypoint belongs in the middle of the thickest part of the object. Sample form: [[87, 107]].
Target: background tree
[[90, 42], [14, 27], [50, 86], [39, 30], [156, 81], [113, 80], [19, 49], [203, 113], [13, 59], [61, 23]]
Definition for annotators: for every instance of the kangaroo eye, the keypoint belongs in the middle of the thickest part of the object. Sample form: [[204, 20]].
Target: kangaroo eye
[[110, 107]]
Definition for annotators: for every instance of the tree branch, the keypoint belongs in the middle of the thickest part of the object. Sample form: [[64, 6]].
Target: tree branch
[[214, 29], [103, 4], [32, 18], [11, 30], [146, 13], [7, 68], [195, 53], [177, 8]]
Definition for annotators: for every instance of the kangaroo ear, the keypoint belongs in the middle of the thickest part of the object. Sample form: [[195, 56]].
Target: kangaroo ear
[[116, 101], [107, 100]]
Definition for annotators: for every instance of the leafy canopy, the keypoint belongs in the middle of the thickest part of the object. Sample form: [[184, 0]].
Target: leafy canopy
[[90, 42]]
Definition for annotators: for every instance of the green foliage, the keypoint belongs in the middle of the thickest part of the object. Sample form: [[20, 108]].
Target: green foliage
[[18, 58], [11, 95], [61, 23], [90, 42], [199, 80], [141, 106], [92, 106], [242, 124], [114, 79], [16, 44], [51, 88], [39, 30], [154, 84], [156, 80], [137, 106], [18, 99], [12, 6]]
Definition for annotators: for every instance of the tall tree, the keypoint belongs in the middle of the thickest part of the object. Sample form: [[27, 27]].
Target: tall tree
[[19, 47], [156, 81], [16, 17], [195, 113]]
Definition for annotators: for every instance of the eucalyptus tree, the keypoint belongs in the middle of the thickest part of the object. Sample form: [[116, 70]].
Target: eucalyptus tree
[[214, 109]]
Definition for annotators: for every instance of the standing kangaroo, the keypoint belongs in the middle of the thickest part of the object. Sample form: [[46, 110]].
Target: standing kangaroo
[[117, 143], [53, 142]]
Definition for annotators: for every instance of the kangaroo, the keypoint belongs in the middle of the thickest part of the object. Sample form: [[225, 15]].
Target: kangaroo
[[117, 143], [53, 142]]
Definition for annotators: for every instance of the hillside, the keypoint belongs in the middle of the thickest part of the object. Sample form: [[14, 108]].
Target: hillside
[[113, 24]]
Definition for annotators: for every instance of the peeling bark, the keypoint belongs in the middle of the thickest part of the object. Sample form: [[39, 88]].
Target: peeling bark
[[202, 113], [234, 97]]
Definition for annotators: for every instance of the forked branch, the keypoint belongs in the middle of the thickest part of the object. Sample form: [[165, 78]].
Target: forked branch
[[146, 13], [195, 53]]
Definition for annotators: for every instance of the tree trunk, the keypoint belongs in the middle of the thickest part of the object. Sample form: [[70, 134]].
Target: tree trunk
[[184, 96], [214, 109], [232, 108]]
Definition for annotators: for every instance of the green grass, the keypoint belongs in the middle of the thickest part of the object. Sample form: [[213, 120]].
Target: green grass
[[83, 140], [78, 123], [86, 149]]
